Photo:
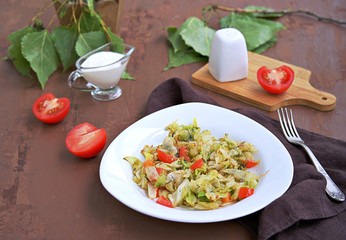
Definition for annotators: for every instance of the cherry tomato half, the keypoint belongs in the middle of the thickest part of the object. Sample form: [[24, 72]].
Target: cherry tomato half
[[49, 109], [86, 140], [276, 80]]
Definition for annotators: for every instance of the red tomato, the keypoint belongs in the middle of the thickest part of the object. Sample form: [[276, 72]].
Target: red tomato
[[197, 164], [165, 157], [160, 170], [164, 201], [276, 80], [184, 153], [50, 109], [249, 163], [148, 163], [245, 192], [86, 140], [227, 199]]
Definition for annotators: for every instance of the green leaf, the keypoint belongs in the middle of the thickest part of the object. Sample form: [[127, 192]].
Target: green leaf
[[175, 39], [118, 45], [179, 58], [127, 76], [264, 15], [15, 51], [62, 9], [265, 46], [256, 31], [186, 51], [91, 6], [197, 35], [89, 23], [65, 39], [38, 49], [89, 41], [117, 42]]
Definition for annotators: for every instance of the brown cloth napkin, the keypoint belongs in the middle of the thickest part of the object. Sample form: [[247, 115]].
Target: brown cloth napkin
[[304, 211]]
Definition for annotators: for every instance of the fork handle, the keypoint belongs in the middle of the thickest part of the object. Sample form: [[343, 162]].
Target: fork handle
[[331, 188]]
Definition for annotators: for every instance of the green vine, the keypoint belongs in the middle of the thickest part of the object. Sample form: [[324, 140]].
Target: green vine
[[265, 12]]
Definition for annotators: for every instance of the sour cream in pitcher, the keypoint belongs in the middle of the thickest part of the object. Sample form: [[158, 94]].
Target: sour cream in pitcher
[[103, 69]]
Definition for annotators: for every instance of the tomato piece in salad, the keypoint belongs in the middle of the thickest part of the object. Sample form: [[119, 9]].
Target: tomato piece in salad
[[249, 163], [197, 164], [49, 109], [148, 163], [160, 171], [164, 201], [227, 199], [245, 192], [277, 80], [164, 156], [85, 140], [184, 153]]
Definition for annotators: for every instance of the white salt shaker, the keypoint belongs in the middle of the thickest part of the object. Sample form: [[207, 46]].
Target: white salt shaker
[[228, 60]]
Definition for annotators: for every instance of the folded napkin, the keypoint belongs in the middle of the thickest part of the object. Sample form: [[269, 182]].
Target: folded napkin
[[304, 211]]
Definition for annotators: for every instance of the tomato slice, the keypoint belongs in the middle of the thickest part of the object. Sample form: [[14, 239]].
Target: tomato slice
[[184, 153], [197, 164], [165, 157], [85, 140], [164, 201], [245, 192], [227, 199], [49, 109], [249, 163], [275, 81], [148, 163], [160, 170]]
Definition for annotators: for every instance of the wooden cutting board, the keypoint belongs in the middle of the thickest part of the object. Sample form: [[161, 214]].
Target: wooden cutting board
[[249, 91]]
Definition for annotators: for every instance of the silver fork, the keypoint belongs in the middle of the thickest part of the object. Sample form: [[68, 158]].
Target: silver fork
[[291, 134]]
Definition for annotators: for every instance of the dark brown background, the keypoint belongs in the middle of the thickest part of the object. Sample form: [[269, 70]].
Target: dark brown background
[[46, 193]]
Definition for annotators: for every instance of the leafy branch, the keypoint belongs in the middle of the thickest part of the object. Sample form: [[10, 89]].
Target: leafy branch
[[191, 42], [36, 49], [265, 12]]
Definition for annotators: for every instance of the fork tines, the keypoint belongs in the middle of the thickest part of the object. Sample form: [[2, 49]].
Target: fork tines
[[287, 123]]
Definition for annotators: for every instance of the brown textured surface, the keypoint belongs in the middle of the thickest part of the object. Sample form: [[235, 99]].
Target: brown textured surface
[[46, 193]]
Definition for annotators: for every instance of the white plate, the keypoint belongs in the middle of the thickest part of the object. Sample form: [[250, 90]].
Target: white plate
[[116, 173]]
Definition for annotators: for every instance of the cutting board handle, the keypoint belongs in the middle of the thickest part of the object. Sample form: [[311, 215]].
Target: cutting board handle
[[310, 97]]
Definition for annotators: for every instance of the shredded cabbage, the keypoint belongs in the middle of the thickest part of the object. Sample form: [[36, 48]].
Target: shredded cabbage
[[210, 184]]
